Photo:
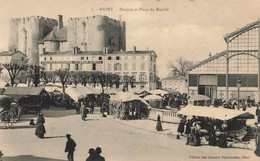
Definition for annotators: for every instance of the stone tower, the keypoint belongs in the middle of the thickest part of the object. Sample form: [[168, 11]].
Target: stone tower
[[96, 32], [25, 33]]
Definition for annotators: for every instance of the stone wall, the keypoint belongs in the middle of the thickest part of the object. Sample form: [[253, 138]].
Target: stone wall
[[25, 33]]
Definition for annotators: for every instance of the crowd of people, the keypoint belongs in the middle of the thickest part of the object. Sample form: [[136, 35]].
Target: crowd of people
[[175, 100], [214, 131]]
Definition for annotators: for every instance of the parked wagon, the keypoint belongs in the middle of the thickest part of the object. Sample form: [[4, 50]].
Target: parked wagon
[[29, 98], [8, 113]]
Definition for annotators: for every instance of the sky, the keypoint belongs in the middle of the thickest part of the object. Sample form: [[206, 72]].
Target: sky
[[188, 28]]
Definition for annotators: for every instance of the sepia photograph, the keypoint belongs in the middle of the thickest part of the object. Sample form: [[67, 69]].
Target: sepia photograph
[[129, 80]]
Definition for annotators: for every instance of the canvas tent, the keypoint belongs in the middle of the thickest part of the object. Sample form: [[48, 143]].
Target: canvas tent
[[127, 96], [159, 92], [170, 90], [18, 92], [155, 101], [126, 105], [77, 93], [217, 113]]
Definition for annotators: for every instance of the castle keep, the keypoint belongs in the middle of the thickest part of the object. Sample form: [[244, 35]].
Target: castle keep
[[89, 44], [26, 32]]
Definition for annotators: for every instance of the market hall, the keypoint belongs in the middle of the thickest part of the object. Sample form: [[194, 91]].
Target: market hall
[[217, 76]]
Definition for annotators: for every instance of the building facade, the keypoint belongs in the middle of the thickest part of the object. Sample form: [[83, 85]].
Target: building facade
[[139, 64], [8, 57], [176, 82], [217, 76]]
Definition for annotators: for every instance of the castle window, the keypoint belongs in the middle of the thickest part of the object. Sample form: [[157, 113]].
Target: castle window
[[44, 58], [22, 58], [82, 58], [117, 58], [76, 66], [109, 58], [100, 58], [50, 58], [86, 58]]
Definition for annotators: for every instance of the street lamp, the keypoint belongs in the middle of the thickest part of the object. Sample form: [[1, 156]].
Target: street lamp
[[238, 90]]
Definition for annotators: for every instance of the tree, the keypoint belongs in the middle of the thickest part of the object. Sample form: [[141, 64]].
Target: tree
[[75, 76], [14, 70], [47, 76], [94, 78], [132, 81], [102, 79], [63, 75], [126, 80], [180, 67], [34, 74], [117, 80], [110, 80], [84, 78]]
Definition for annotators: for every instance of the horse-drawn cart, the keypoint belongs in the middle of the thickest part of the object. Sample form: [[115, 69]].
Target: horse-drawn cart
[[8, 113]]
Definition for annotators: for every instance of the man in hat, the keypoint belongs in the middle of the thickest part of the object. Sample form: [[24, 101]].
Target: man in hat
[[70, 147], [98, 151], [92, 155]]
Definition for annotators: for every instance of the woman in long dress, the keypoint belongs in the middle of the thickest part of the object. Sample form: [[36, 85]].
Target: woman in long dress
[[40, 129], [159, 124], [257, 151], [188, 127], [222, 137], [181, 125]]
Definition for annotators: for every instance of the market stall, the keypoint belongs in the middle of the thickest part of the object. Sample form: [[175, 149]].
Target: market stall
[[199, 100], [154, 101], [237, 130], [29, 98], [126, 105]]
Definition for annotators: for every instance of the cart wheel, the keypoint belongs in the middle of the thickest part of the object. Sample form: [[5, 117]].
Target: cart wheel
[[7, 119]]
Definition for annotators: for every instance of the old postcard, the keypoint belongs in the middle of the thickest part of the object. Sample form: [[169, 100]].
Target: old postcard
[[129, 80]]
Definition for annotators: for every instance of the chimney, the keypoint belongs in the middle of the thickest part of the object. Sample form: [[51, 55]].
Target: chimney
[[60, 22], [209, 54], [134, 49], [43, 50], [84, 46], [107, 50], [75, 50]]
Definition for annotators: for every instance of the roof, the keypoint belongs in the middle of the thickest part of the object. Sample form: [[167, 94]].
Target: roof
[[208, 60], [24, 91], [248, 26], [10, 53], [217, 113], [98, 53], [56, 35], [50, 37], [176, 77]]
